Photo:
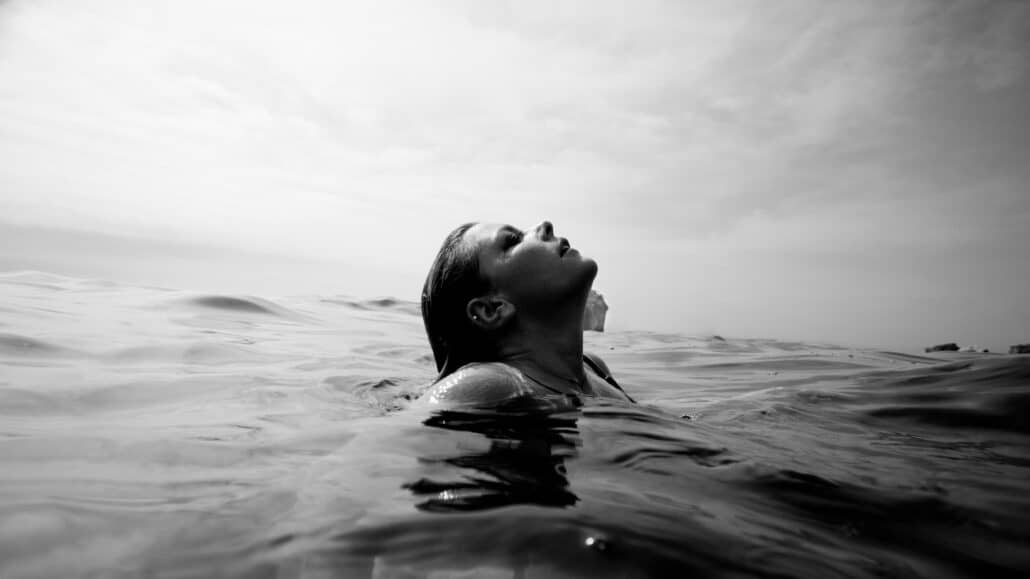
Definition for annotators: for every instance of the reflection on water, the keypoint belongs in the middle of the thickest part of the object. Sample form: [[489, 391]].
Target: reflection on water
[[523, 464], [150, 432]]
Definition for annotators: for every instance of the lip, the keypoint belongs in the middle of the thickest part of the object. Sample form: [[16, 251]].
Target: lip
[[563, 247]]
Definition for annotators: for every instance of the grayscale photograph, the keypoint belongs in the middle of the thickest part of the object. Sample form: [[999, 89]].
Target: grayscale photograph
[[410, 289]]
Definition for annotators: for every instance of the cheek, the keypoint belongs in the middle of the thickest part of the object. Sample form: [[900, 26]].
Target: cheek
[[527, 271], [539, 263]]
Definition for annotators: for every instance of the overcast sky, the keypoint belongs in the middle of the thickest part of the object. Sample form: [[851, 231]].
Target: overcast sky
[[853, 172]]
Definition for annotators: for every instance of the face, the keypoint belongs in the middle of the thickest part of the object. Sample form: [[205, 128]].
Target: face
[[531, 267]]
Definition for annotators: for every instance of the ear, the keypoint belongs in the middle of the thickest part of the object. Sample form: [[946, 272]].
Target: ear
[[489, 313]]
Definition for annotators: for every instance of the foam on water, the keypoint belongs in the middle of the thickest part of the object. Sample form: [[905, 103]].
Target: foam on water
[[154, 432]]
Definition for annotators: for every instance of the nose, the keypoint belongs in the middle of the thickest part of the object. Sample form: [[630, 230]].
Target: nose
[[545, 230]]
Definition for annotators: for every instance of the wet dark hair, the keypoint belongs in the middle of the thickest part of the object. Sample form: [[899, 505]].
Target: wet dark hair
[[453, 280]]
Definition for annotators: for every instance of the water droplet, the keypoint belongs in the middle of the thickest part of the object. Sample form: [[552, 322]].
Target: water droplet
[[596, 543]]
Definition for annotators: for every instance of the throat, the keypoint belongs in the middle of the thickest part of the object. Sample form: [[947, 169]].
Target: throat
[[564, 380], [558, 385], [549, 352]]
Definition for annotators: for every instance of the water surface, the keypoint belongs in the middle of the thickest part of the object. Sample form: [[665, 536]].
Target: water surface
[[162, 433]]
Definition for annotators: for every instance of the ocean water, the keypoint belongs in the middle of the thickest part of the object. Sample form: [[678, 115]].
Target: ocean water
[[148, 432]]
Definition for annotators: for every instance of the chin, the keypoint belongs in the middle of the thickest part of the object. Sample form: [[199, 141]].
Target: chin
[[592, 266], [588, 272]]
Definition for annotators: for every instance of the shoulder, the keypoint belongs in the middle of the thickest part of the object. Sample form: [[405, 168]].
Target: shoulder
[[598, 364], [607, 387], [479, 384]]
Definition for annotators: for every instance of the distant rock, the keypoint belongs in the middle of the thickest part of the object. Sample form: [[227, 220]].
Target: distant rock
[[717, 338], [595, 312], [949, 347], [1019, 349]]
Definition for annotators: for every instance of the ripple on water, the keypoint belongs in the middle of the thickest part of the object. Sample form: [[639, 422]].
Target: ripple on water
[[235, 304], [213, 431], [990, 393], [24, 346], [380, 304]]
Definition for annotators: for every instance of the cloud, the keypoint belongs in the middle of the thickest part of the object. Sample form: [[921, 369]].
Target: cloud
[[710, 133]]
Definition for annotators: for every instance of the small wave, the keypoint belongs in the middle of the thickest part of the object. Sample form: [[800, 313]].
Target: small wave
[[16, 344], [23, 402], [660, 455], [232, 304], [991, 393], [54, 282], [649, 440], [384, 394], [915, 522], [247, 305], [379, 304], [200, 353], [784, 364], [903, 357], [790, 346], [37, 279]]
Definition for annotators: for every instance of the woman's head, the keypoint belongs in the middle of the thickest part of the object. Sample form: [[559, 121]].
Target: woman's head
[[487, 275]]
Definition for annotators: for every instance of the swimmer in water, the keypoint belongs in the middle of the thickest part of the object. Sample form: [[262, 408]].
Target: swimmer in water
[[503, 310]]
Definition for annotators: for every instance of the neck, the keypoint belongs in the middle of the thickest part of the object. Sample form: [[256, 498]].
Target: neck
[[549, 347]]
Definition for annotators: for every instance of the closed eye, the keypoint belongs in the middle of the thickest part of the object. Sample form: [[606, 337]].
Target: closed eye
[[511, 239]]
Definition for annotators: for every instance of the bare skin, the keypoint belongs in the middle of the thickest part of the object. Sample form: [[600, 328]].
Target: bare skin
[[533, 315]]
